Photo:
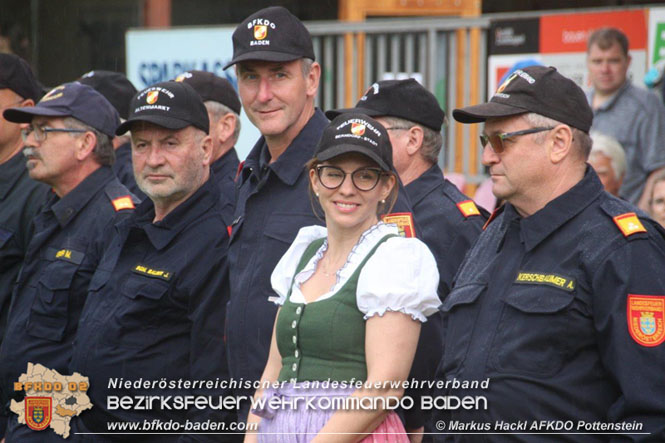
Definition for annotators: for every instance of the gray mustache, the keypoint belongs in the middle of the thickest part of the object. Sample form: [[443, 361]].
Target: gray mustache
[[29, 151]]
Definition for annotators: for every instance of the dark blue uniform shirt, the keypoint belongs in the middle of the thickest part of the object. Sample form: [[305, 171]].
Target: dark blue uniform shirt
[[156, 310], [272, 205], [540, 307], [125, 171], [225, 169], [20, 200], [449, 234], [69, 238]]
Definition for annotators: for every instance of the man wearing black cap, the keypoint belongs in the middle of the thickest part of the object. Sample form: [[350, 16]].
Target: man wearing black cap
[[67, 137], [560, 303], [20, 197], [449, 221], [277, 83], [223, 105], [118, 90], [156, 304]]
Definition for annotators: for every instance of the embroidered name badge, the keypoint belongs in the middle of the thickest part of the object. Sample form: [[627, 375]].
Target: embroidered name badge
[[468, 208], [645, 315], [121, 203], [629, 224], [404, 222], [536, 278], [65, 254], [150, 272]]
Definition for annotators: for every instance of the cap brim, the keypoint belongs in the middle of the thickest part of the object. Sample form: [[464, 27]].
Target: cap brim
[[480, 113], [332, 113], [268, 56], [159, 120], [336, 150], [25, 115]]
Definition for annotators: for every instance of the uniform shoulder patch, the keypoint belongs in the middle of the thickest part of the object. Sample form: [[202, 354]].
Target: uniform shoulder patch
[[468, 208], [121, 203], [629, 224], [646, 317], [404, 222]]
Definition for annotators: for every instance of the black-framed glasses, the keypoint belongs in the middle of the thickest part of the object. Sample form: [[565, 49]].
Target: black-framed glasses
[[496, 140], [41, 132], [332, 177], [398, 128]]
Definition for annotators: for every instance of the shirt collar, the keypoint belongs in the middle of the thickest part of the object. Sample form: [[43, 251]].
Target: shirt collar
[[162, 232], [291, 163], [610, 101], [11, 172], [423, 185], [67, 207], [537, 227], [226, 162]]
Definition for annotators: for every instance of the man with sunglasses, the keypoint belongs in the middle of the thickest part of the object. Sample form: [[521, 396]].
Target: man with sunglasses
[[449, 221], [561, 302], [67, 138]]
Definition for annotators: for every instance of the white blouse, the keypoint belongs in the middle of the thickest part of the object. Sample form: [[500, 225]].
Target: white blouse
[[400, 276]]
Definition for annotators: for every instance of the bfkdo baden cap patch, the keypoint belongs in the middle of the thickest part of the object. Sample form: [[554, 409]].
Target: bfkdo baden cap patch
[[646, 319]]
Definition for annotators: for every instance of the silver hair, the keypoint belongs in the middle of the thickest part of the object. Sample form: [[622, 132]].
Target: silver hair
[[580, 138], [218, 110], [611, 148], [432, 140], [103, 150]]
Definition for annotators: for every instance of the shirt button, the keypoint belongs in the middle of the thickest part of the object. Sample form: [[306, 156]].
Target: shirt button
[[293, 324], [297, 353], [294, 339], [294, 367], [299, 310]]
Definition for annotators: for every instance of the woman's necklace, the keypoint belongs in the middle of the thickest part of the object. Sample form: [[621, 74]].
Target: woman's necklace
[[325, 267]]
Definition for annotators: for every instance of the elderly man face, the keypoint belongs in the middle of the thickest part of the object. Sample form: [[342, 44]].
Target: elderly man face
[[51, 155], [602, 164], [169, 165]]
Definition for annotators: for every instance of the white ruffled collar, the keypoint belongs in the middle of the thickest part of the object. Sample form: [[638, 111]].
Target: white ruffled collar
[[366, 242]]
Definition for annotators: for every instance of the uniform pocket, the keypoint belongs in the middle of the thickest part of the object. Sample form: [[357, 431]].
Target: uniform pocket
[[49, 312], [535, 330], [459, 318]]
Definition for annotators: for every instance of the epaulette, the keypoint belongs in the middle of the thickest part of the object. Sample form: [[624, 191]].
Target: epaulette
[[494, 215], [121, 199], [468, 208], [627, 221]]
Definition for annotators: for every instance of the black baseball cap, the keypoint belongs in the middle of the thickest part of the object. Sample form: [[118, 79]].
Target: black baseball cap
[[272, 34], [211, 87], [114, 86], [405, 99], [171, 105], [71, 100], [356, 132], [15, 74], [538, 89]]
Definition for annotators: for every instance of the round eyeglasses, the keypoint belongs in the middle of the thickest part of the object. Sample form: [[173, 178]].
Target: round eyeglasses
[[365, 179]]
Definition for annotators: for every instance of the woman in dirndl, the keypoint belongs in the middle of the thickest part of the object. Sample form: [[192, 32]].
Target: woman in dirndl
[[352, 296]]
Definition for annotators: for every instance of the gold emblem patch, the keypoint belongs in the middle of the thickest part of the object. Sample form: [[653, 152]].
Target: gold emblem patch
[[151, 272], [645, 315], [152, 96], [629, 224], [357, 129], [260, 32], [404, 222]]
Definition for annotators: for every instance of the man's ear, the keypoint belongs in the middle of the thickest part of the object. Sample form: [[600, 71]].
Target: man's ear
[[415, 140], [226, 125], [85, 144], [560, 143], [206, 146]]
